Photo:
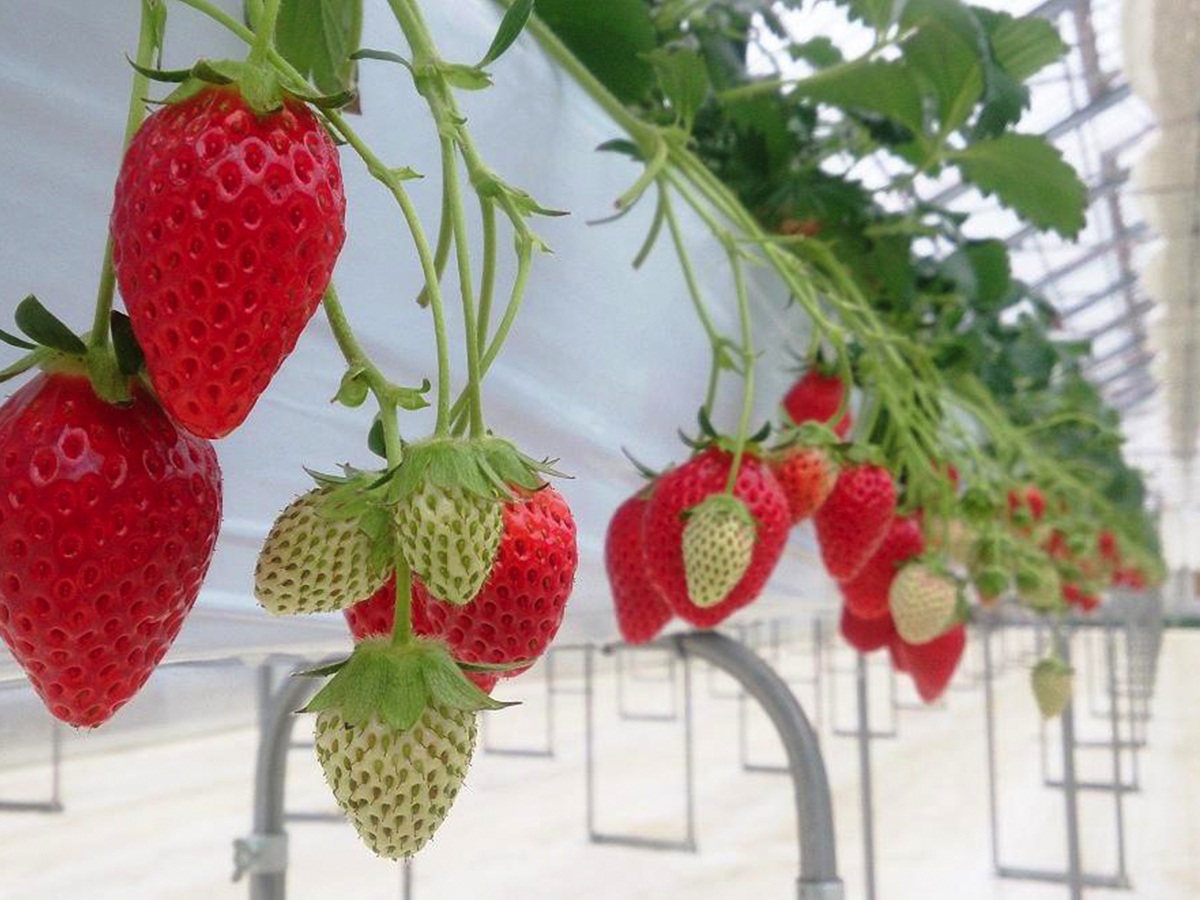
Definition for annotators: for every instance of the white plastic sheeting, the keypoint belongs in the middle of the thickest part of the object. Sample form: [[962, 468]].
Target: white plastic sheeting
[[601, 357], [1162, 49]]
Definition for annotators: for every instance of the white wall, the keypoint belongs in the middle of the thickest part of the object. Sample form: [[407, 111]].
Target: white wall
[[601, 357]]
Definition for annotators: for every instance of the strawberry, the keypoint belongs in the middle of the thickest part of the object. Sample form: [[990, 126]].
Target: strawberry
[[866, 635], [394, 735], [1053, 684], [1109, 549], [450, 538], [685, 487], [639, 604], [718, 543], [312, 562], [816, 397], [807, 475], [1077, 596], [855, 518], [1039, 586], [932, 665], [518, 611], [866, 595], [108, 520], [1026, 506], [448, 499], [922, 602], [375, 616], [226, 226], [897, 655]]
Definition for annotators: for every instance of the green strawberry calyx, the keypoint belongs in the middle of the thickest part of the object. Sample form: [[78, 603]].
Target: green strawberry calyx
[[397, 684], [258, 84], [488, 468], [52, 345]]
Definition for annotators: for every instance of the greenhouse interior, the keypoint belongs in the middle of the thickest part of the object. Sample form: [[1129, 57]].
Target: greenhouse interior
[[706, 449]]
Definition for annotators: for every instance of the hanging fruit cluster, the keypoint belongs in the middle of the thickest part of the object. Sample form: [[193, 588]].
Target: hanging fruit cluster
[[452, 561], [946, 482]]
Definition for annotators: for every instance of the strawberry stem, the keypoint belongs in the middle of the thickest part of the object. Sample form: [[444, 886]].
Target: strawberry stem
[[487, 281], [462, 255], [264, 36], [747, 348], [693, 286], [402, 625], [356, 357], [148, 42]]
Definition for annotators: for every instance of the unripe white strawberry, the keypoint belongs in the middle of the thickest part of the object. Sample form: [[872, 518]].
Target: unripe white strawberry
[[312, 562], [395, 733], [1053, 684], [718, 544], [396, 787], [922, 603], [449, 538]]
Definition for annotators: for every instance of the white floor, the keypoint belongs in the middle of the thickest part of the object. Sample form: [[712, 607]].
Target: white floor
[[156, 823]]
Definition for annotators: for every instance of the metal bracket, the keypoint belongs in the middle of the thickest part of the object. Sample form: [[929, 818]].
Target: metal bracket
[[820, 890], [260, 854]]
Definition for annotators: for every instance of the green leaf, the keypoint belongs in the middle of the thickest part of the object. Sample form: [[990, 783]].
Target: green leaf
[[819, 52], [43, 327], [353, 390], [683, 78], [24, 364], [982, 270], [888, 88], [13, 341], [950, 64], [1030, 176], [621, 145], [609, 37], [1022, 47], [448, 685], [375, 442], [319, 37], [130, 358], [510, 27], [879, 14], [466, 78], [382, 55]]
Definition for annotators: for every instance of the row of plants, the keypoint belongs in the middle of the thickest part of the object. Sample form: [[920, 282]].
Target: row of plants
[[907, 439]]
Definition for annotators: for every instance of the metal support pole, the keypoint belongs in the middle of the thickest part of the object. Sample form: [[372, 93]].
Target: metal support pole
[[1118, 798], [818, 878], [989, 705], [688, 842], [864, 770], [263, 855], [1070, 791]]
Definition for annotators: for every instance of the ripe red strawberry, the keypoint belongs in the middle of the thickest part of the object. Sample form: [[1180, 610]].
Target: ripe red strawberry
[[685, 487], [1107, 545], [896, 653], [866, 594], [641, 610], [932, 665], [1029, 499], [807, 475], [108, 520], [518, 610], [854, 520], [816, 398], [1076, 596], [225, 228], [375, 616], [867, 635]]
